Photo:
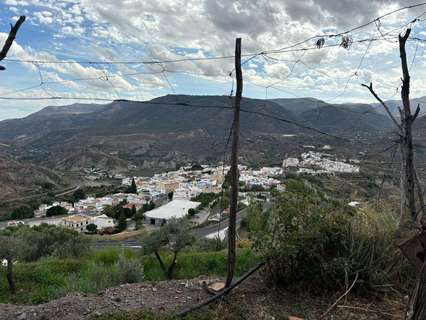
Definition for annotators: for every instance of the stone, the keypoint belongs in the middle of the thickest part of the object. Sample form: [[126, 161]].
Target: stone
[[22, 316]]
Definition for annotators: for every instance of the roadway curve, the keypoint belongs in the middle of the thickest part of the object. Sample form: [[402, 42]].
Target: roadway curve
[[198, 233]]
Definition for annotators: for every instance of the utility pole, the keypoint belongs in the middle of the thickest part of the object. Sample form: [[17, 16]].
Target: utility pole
[[234, 167]]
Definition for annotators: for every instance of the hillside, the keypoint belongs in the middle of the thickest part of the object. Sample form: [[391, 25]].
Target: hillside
[[160, 115], [184, 114], [176, 129], [299, 105], [353, 118], [394, 104], [17, 177]]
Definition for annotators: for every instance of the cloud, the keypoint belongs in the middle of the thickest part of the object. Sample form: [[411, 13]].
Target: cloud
[[43, 17], [173, 29]]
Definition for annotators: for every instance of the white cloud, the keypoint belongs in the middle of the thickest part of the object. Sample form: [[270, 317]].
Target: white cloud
[[170, 29]]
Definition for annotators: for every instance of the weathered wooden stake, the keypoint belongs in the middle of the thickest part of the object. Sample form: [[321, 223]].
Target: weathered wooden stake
[[234, 166]]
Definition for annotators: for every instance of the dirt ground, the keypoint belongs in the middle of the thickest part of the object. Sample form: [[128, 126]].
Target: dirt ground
[[253, 300], [257, 300]]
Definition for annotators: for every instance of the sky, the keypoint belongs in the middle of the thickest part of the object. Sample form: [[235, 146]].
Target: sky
[[87, 33]]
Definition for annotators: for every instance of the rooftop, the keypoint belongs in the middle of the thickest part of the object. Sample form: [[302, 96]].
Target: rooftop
[[77, 218], [174, 209]]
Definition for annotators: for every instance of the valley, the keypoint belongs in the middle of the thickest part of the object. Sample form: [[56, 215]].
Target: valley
[[54, 144]]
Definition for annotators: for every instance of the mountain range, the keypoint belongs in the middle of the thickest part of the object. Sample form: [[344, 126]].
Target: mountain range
[[183, 114], [175, 129]]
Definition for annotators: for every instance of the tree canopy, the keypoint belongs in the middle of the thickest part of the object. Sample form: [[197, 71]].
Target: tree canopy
[[175, 235], [23, 212], [56, 211]]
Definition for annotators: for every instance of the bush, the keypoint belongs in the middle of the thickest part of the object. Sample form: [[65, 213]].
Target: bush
[[56, 211], [48, 240], [22, 213], [313, 241], [205, 199], [78, 195], [92, 228], [128, 270], [192, 212], [205, 244]]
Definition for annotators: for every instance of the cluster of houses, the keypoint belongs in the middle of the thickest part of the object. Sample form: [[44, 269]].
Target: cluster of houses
[[92, 206], [90, 211], [313, 162], [173, 191], [185, 183], [264, 178]]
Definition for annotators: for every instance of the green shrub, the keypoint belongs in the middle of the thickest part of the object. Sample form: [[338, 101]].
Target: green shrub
[[51, 278], [205, 244], [128, 270], [46, 240], [314, 241], [56, 211], [22, 213]]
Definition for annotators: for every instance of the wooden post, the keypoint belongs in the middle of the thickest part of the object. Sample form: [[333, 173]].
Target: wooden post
[[234, 166]]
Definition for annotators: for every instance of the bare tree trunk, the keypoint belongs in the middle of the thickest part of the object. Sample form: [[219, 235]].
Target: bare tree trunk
[[234, 167], [408, 224], [408, 220], [10, 275], [172, 266], [408, 181], [160, 261]]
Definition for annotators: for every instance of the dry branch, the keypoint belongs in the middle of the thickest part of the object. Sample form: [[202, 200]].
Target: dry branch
[[11, 37], [340, 298], [370, 87]]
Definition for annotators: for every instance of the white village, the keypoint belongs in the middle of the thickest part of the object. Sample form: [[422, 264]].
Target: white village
[[173, 193]]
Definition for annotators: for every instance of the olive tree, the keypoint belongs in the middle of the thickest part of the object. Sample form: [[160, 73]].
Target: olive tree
[[49, 240], [175, 235]]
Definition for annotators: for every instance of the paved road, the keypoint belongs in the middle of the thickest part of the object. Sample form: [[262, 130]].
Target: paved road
[[209, 230], [214, 228]]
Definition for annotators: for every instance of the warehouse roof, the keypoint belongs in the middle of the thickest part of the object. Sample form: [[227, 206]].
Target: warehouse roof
[[174, 209]]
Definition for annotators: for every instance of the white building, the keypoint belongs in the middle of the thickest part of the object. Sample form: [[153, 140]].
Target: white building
[[290, 162], [103, 221], [174, 209]]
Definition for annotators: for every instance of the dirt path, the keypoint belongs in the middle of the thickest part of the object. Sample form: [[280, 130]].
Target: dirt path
[[158, 296]]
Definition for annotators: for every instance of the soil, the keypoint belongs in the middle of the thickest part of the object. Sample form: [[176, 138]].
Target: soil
[[253, 300]]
